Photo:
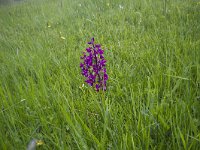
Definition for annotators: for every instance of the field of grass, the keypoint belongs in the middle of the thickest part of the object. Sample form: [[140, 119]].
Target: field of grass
[[152, 49]]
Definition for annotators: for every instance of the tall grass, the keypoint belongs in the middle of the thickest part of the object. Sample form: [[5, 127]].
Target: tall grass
[[153, 95]]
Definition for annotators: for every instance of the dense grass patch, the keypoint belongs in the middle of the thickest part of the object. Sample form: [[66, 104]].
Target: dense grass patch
[[153, 93]]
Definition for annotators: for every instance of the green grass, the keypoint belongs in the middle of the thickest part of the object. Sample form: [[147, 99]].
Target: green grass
[[153, 93]]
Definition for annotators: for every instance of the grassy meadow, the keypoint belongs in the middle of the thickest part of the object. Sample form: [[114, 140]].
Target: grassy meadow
[[152, 48]]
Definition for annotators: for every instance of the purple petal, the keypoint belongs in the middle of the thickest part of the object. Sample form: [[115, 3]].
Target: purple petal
[[100, 51], [81, 65], [97, 45], [101, 56], [102, 62], [88, 49], [97, 87], [92, 41], [105, 76], [89, 82]]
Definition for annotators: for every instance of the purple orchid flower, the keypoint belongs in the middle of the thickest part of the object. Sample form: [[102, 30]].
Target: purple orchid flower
[[94, 66]]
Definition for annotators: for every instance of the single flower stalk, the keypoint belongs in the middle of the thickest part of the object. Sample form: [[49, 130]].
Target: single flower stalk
[[94, 66]]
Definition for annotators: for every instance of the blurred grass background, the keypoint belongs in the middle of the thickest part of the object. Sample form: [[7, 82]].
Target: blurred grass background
[[153, 53]]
